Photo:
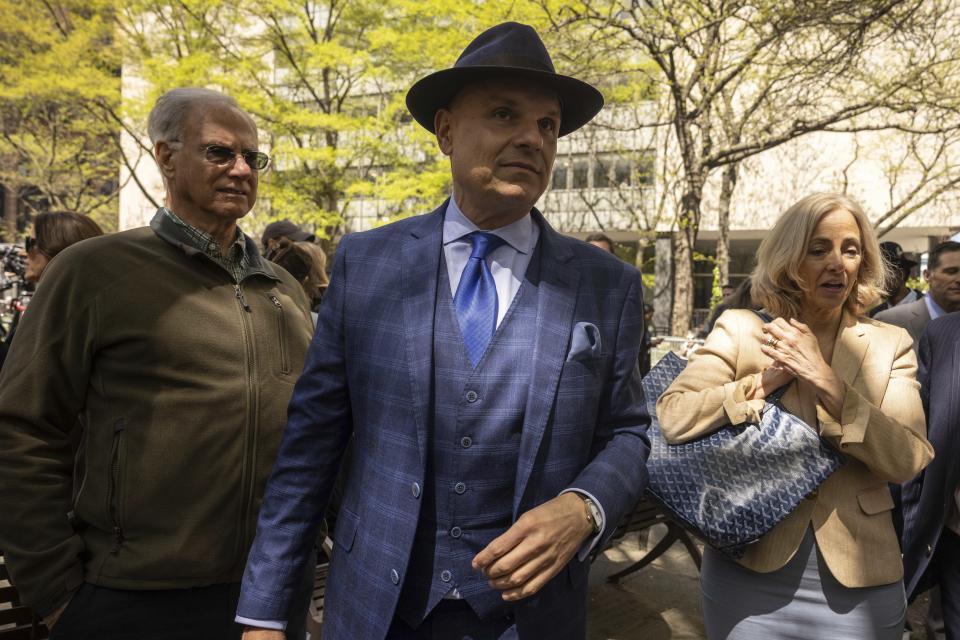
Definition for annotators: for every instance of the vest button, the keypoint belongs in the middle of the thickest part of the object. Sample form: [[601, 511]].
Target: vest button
[[460, 487], [465, 442], [415, 489], [446, 576], [472, 396], [394, 576], [456, 532]]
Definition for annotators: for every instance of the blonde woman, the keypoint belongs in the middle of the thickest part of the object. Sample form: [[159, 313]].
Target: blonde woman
[[832, 568]]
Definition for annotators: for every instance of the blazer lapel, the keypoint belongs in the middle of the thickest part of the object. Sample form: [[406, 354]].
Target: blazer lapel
[[850, 348], [557, 286], [420, 259]]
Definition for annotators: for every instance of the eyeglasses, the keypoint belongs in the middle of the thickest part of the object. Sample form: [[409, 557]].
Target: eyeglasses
[[223, 156]]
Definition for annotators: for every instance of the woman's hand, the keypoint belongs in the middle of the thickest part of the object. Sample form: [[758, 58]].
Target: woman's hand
[[772, 378], [793, 347]]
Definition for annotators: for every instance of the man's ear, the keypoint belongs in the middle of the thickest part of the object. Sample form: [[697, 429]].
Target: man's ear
[[164, 156], [926, 275], [441, 124]]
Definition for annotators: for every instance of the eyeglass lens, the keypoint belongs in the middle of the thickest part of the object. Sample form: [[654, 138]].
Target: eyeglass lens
[[221, 155]]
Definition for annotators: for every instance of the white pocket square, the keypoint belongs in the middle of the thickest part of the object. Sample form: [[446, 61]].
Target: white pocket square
[[584, 342]]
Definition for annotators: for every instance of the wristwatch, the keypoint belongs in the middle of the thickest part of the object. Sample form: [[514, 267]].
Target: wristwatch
[[594, 517]]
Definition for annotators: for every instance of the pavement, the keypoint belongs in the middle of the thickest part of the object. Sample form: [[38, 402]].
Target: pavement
[[662, 600], [659, 602]]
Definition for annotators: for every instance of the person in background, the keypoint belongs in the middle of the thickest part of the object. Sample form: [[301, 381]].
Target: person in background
[[52, 233], [727, 290], [319, 279], [901, 267], [943, 277], [742, 297], [176, 347], [943, 296], [304, 262], [832, 568], [282, 229], [600, 240], [931, 501], [484, 367]]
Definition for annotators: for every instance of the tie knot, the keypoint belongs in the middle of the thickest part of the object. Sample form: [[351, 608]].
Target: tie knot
[[483, 244]]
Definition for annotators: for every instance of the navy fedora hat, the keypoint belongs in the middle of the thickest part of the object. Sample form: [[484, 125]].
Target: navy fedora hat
[[508, 50]]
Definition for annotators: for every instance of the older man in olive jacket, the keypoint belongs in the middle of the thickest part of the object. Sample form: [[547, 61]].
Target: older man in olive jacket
[[174, 350]]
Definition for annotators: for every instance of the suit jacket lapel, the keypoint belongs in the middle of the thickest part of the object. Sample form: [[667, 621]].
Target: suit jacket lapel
[[420, 259], [557, 285], [849, 349]]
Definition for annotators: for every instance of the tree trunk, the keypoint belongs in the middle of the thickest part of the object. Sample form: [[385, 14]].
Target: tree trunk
[[10, 206], [684, 242], [727, 185]]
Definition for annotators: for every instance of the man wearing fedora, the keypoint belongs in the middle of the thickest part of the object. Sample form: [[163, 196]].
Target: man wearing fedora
[[485, 369]]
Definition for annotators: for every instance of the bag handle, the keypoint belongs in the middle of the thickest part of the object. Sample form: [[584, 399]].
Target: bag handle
[[774, 396]]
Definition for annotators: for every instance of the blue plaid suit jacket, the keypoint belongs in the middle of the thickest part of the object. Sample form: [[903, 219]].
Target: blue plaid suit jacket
[[368, 374]]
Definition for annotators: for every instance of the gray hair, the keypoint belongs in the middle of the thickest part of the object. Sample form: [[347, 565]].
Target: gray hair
[[170, 112]]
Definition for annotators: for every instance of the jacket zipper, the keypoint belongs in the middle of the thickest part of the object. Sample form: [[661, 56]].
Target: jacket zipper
[[113, 487], [281, 331], [248, 468]]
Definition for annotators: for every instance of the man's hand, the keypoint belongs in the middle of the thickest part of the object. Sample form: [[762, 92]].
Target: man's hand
[[52, 618], [541, 542], [263, 634]]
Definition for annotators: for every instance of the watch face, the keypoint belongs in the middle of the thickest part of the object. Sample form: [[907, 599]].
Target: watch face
[[594, 511]]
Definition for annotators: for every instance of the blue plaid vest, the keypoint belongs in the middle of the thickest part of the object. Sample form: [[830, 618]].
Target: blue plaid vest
[[473, 454]]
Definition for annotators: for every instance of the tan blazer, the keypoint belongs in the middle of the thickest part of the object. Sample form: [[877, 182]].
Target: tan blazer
[[881, 432]]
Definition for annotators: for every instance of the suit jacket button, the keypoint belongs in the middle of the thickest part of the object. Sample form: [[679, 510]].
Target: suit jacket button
[[415, 489], [446, 576], [394, 576], [460, 487], [472, 396], [456, 532], [466, 441]]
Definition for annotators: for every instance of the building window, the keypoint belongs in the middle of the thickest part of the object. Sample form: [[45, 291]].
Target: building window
[[559, 180], [581, 173], [604, 171]]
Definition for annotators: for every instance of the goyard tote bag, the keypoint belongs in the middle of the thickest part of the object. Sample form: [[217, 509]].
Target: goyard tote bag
[[734, 485]]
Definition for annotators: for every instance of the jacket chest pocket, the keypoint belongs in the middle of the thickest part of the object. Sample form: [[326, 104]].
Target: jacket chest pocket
[[115, 483], [281, 332]]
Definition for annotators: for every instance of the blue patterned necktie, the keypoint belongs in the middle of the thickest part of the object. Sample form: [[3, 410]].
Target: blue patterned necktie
[[476, 297]]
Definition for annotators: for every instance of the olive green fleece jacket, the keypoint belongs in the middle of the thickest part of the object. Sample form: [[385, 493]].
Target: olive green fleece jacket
[[180, 380]]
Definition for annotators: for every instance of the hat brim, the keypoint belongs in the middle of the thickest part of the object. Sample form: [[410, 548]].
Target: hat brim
[[579, 101]]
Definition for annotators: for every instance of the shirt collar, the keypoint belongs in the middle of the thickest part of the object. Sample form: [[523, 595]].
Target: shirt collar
[[519, 235], [935, 310], [205, 242]]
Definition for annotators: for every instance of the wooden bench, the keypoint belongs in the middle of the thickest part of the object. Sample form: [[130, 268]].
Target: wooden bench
[[17, 621], [645, 515]]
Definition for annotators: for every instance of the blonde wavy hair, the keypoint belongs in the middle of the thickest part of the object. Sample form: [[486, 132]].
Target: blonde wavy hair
[[777, 284]]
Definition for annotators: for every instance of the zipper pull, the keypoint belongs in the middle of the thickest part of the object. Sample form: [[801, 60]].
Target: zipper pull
[[276, 302], [240, 297]]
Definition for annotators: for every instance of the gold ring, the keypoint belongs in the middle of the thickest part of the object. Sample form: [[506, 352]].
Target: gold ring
[[775, 343]]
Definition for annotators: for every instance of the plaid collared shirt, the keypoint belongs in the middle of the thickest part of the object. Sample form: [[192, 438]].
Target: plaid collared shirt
[[236, 261]]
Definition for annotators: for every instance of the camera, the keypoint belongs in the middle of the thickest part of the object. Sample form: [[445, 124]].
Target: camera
[[13, 266]]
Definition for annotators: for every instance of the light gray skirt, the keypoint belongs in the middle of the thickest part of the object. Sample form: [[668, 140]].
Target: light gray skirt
[[801, 601]]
